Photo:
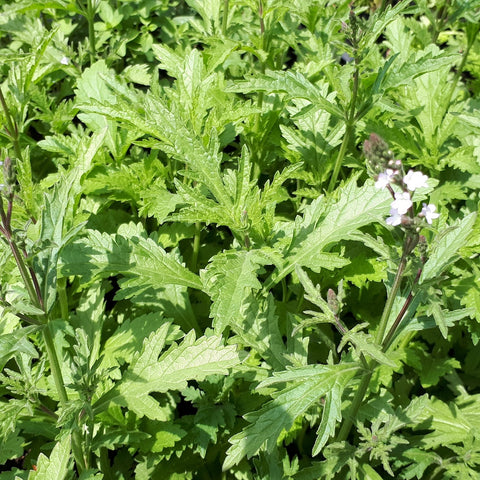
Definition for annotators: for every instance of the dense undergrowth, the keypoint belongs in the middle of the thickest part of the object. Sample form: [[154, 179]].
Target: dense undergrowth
[[239, 239]]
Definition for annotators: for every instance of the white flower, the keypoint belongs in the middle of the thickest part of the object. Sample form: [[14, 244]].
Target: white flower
[[395, 217], [385, 178], [414, 180], [401, 203], [428, 211], [64, 60]]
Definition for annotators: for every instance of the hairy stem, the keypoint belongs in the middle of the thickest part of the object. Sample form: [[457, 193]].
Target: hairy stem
[[388, 338], [356, 404], [24, 272]]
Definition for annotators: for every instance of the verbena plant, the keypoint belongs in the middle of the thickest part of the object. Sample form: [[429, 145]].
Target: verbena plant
[[239, 239]]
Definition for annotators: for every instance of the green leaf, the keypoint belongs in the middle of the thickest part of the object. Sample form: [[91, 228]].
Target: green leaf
[[142, 260], [327, 221], [364, 343], [293, 84], [368, 473], [16, 342], [448, 424], [56, 466], [229, 279], [444, 250], [127, 340], [256, 326], [11, 446], [305, 386], [180, 363], [332, 413]]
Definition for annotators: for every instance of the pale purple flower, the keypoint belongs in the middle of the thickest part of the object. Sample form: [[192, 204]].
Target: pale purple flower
[[414, 180], [401, 203], [395, 217], [385, 178], [64, 60], [428, 211]]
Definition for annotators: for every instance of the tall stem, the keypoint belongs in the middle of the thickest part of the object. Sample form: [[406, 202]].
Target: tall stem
[[225, 17], [56, 371], [91, 10], [349, 129], [196, 246], [390, 301], [32, 293], [11, 127], [356, 404], [371, 363], [62, 297], [340, 157], [458, 73]]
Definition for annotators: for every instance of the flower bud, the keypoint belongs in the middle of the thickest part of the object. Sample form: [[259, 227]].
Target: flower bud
[[332, 301], [379, 156]]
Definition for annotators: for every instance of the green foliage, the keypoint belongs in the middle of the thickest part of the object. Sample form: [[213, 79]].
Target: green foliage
[[197, 278]]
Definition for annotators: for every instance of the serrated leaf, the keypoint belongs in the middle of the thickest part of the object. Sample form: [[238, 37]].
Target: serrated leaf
[[328, 221], [364, 344], [305, 386], [293, 84], [143, 261], [257, 327], [445, 251], [331, 414], [229, 278], [448, 423], [56, 466], [16, 342], [189, 360]]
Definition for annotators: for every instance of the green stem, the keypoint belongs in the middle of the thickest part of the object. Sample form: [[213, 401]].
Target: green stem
[[225, 17], [458, 73], [91, 10], [388, 338], [62, 394], [11, 127], [390, 301], [62, 297], [356, 404], [371, 364], [349, 130], [55, 365], [196, 246], [258, 118], [32, 293], [340, 157]]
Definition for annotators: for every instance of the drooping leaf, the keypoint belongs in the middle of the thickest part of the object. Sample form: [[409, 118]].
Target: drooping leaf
[[305, 386], [143, 261]]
